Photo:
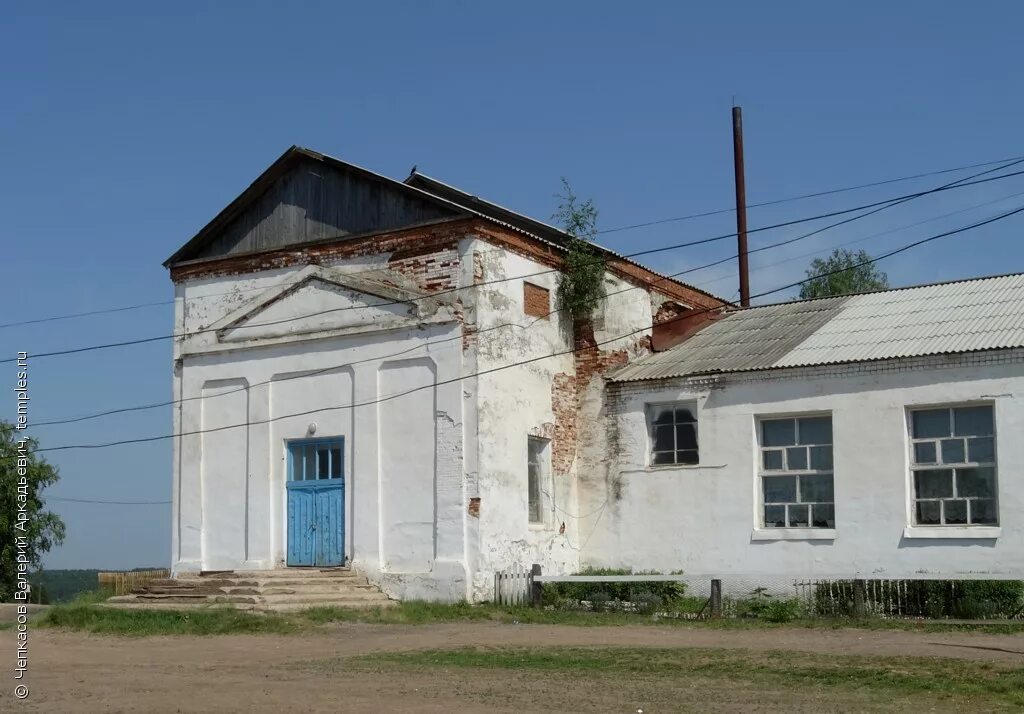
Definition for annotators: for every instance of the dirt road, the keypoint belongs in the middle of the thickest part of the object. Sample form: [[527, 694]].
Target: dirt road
[[72, 672]]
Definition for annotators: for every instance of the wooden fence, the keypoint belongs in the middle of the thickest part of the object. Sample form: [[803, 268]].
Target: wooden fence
[[513, 587], [122, 583]]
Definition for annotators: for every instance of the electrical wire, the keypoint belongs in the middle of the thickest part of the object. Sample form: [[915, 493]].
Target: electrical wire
[[808, 254], [492, 370], [894, 201], [817, 194], [113, 503], [617, 229], [489, 329]]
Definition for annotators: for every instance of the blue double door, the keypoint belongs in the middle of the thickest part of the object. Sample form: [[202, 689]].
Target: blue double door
[[316, 502]]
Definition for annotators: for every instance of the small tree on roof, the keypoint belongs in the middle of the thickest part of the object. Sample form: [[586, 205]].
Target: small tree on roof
[[581, 285]]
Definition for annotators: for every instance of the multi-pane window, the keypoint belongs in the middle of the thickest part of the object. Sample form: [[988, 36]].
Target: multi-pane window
[[796, 472], [316, 460], [537, 455], [673, 434], [953, 463]]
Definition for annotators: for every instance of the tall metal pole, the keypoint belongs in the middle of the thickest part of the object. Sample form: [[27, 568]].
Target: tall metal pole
[[741, 204]]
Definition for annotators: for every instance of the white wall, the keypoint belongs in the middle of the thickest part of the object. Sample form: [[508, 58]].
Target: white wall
[[513, 404], [516, 403], [416, 465], [704, 519], [404, 508]]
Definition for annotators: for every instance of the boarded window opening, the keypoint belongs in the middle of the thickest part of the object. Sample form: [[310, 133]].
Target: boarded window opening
[[537, 456], [536, 300]]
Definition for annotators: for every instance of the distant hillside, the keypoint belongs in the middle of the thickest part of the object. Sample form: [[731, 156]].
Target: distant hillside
[[64, 585]]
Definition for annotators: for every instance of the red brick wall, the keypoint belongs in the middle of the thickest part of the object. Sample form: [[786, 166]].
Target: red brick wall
[[536, 300], [433, 270], [568, 389]]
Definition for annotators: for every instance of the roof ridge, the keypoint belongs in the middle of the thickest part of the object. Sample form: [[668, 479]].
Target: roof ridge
[[900, 288]]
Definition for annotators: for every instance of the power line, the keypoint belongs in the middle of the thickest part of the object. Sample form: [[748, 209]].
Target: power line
[[815, 232], [371, 402], [806, 195], [774, 202], [869, 237], [895, 201], [494, 327], [112, 503]]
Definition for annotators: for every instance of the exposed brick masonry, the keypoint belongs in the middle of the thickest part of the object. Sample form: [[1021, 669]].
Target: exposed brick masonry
[[536, 300], [567, 390], [433, 269]]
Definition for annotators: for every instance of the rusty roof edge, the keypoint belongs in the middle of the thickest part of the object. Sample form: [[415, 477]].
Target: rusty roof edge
[[326, 241]]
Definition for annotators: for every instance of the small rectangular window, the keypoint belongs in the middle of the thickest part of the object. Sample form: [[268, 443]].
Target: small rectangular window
[[796, 472], [953, 466], [673, 429], [536, 470]]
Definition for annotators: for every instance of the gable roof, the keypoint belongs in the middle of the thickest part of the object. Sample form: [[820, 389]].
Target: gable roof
[[417, 201], [940, 318], [288, 162]]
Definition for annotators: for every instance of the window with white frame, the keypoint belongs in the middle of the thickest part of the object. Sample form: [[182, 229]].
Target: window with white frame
[[796, 472], [953, 466], [673, 434], [536, 471]]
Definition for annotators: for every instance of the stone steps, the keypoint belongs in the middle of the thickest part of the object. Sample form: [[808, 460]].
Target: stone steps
[[347, 605], [324, 598], [262, 590], [174, 606]]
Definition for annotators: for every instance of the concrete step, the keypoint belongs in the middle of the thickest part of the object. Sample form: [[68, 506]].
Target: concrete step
[[312, 589], [175, 606], [282, 589], [177, 590], [325, 598], [275, 573], [213, 599], [297, 582], [348, 605], [248, 580]]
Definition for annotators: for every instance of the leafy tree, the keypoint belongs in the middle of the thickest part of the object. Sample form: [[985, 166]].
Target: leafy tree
[[581, 286], [843, 273], [40, 529]]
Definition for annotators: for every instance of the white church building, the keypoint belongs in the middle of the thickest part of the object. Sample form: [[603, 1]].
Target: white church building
[[373, 373]]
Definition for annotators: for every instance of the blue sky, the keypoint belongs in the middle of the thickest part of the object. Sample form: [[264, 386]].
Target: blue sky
[[128, 126]]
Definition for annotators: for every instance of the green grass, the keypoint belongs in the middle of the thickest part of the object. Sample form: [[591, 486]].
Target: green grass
[[148, 623], [893, 675], [83, 615]]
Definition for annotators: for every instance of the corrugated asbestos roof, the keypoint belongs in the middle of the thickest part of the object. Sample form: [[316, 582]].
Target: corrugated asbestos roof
[[944, 318]]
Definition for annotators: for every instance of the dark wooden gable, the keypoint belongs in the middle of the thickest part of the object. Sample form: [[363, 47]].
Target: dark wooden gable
[[305, 197]]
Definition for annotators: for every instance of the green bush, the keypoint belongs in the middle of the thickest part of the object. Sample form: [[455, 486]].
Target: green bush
[[761, 605], [646, 596], [646, 602], [934, 599], [782, 611]]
